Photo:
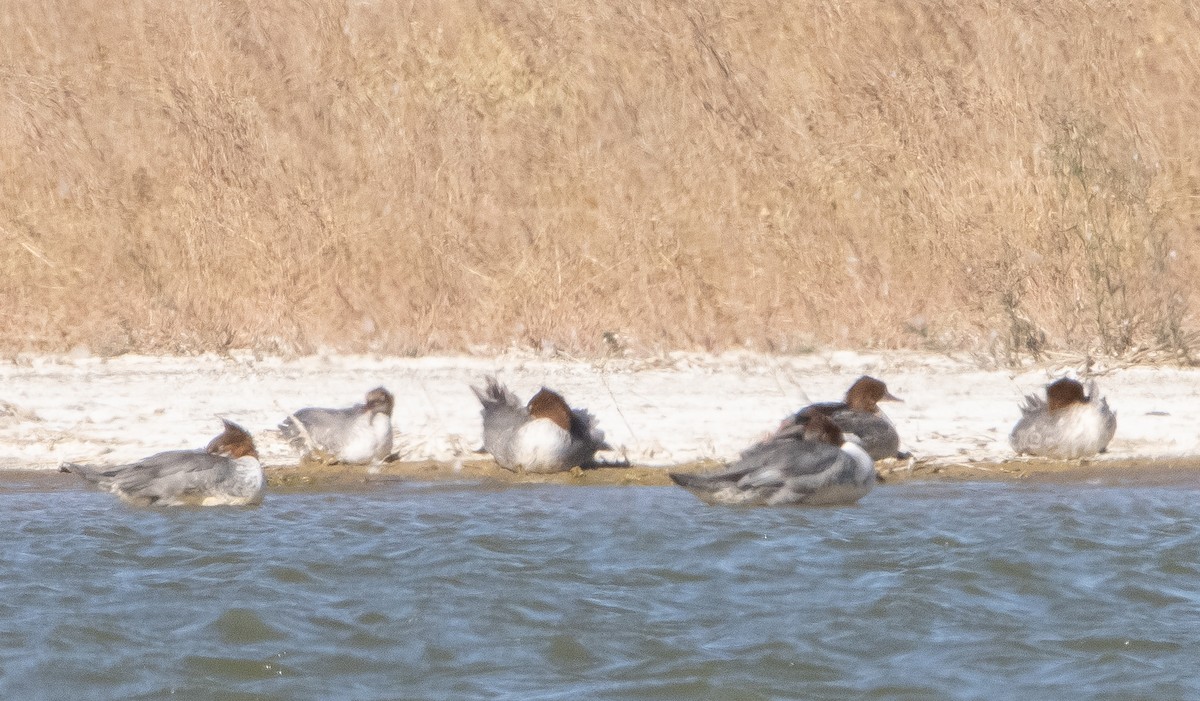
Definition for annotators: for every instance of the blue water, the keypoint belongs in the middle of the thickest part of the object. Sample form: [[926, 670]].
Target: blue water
[[418, 591]]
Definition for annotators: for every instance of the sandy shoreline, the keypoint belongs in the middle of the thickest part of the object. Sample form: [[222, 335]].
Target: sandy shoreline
[[315, 478], [686, 410]]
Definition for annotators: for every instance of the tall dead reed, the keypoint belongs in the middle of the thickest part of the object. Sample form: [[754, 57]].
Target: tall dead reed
[[428, 177]]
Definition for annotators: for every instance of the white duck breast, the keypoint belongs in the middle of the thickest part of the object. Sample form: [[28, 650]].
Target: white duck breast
[[358, 434], [540, 445], [545, 435], [1068, 425], [245, 485]]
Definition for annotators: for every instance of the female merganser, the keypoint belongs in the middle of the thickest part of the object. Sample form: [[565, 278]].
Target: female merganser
[[859, 414], [1067, 425], [358, 434], [227, 472], [545, 435], [806, 463]]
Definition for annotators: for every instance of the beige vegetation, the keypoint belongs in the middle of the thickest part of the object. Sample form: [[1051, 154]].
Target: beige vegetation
[[439, 176]]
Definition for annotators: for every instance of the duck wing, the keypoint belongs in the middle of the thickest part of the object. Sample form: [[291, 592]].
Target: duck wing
[[167, 475], [771, 463], [708, 481], [315, 427], [793, 462]]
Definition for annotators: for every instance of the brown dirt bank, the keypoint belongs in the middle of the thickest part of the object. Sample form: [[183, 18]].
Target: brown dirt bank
[[1122, 471], [315, 477]]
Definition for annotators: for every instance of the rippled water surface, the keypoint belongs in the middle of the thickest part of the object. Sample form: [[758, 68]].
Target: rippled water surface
[[415, 591]]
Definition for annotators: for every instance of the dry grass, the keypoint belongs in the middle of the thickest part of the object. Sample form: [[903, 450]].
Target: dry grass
[[422, 177]]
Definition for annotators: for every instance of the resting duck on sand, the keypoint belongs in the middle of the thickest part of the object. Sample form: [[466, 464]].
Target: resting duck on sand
[[807, 463], [358, 434], [545, 435], [227, 472], [1067, 425], [859, 414]]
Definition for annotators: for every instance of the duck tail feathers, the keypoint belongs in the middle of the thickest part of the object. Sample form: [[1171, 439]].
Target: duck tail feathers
[[1033, 404], [493, 394], [583, 427], [688, 480]]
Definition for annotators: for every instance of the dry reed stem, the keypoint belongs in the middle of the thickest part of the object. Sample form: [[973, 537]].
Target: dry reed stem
[[425, 177]]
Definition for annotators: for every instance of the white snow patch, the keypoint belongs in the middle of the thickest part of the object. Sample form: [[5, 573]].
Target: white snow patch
[[672, 409]]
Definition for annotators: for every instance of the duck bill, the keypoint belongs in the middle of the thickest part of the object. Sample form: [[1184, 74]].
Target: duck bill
[[889, 397]]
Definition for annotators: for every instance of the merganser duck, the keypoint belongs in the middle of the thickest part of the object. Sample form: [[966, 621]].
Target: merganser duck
[[545, 435], [227, 472], [1068, 424], [859, 414], [806, 463], [358, 434]]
